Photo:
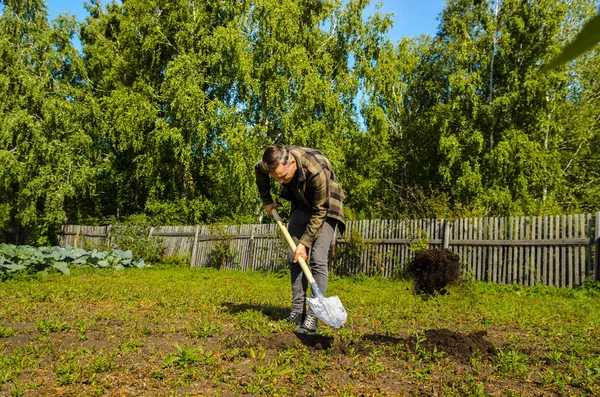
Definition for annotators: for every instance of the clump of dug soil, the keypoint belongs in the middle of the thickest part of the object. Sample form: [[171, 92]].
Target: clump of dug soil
[[461, 347], [432, 270]]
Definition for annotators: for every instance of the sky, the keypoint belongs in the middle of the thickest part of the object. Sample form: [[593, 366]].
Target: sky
[[411, 17]]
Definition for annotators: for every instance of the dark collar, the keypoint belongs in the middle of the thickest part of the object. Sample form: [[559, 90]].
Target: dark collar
[[299, 174]]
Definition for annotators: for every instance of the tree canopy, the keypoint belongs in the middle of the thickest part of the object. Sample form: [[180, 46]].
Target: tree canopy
[[165, 107]]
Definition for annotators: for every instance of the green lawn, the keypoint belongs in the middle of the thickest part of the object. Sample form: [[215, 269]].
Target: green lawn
[[202, 332]]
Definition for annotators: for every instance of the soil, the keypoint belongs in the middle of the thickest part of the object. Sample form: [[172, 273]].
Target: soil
[[141, 373], [432, 362]]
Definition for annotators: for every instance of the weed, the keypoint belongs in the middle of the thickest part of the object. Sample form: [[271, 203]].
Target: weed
[[68, 372], [101, 363], [252, 320], [221, 254], [48, 326], [185, 356], [6, 332], [349, 252], [511, 363], [374, 367], [205, 330], [132, 346]]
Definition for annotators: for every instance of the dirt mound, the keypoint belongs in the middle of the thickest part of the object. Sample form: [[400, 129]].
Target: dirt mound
[[460, 346], [454, 344], [432, 270], [282, 341]]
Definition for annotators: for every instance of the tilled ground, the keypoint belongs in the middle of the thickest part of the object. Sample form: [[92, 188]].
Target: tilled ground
[[435, 362]]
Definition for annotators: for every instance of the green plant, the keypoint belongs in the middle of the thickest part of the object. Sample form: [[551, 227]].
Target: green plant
[[186, 356], [134, 235], [128, 316], [31, 260], [131, 346], [101, 363], [6, 332], [206, 329], [374, 366], [421, 242], [48, 326], [221, 254], [348, 253], [511, 362], [68, 373]]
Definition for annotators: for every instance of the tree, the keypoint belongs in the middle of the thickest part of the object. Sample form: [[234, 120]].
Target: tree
[[492, 123], [47, 164]]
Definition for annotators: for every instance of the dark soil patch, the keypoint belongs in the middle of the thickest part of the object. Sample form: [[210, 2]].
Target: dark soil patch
[[282, 341], [432, 270], [457, 345]]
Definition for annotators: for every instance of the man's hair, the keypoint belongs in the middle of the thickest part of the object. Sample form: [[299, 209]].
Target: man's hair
[[273, 156]]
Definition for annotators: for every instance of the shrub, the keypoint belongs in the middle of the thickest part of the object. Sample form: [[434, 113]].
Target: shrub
[[432, 270]]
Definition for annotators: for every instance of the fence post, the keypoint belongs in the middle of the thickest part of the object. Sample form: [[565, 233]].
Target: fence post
[[597, 250], [76, 238], [249, 265], [194, 244], [446, 237], [107, 236]]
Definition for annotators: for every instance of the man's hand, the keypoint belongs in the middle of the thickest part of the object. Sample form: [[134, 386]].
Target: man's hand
[[300, 252], [270, 207]]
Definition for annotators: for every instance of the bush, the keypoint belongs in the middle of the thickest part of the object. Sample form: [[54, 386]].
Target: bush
[[432, 270]]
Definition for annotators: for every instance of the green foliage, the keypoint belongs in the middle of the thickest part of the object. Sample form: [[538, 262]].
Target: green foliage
[[169, 105], [347, 255], [134, 235], [186, 356], [42, 259], [48, 165], [587, 38], [234, 320], [221, 254]]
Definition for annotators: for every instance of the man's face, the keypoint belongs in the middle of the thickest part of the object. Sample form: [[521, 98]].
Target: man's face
[[284, 173]]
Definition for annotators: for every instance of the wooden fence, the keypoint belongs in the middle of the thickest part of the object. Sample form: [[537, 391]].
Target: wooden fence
[[559, 251]]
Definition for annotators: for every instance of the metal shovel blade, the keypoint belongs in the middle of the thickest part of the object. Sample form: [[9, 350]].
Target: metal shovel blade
[[329, 310]]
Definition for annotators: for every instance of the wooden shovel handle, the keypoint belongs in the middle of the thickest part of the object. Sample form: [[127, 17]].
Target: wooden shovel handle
[[292, 245]]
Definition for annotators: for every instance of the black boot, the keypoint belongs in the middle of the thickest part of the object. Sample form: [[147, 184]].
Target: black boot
[[309, 326]]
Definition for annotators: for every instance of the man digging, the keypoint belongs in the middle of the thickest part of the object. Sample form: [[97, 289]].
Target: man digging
[[310, 185]]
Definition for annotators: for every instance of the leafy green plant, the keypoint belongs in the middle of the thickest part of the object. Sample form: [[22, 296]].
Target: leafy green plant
[[134, 235], [15, 258], [186, 356], [6, 332], [511, 362], [246, 349], [348, 254], [221, 253], [68, 372], [48, 326], [206, 329]]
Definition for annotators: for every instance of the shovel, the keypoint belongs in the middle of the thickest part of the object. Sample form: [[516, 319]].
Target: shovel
[[329, 310]]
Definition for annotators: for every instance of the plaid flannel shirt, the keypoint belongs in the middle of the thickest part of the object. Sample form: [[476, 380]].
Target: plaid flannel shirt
[[313, 187]]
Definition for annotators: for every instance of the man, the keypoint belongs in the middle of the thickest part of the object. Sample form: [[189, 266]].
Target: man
[[309, 183]]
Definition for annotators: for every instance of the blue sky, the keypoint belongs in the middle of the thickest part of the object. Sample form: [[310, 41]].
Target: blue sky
[[411, 17]]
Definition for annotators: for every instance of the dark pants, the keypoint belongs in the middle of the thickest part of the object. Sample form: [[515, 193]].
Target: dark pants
[[318, 254]]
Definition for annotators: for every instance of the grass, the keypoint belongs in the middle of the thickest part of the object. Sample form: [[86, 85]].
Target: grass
[[195, 332]]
